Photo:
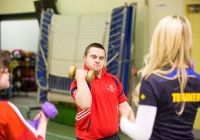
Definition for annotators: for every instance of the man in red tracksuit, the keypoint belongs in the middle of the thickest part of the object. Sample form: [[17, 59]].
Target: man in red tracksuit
[[100, 102]]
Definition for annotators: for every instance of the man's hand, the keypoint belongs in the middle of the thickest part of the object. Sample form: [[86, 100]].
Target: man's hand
[[80, 74], [126, 111]]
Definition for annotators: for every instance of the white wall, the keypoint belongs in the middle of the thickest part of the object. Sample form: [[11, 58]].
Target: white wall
[[147, 18], [16, 6], [20, 34], [158, 9], [90, 7]]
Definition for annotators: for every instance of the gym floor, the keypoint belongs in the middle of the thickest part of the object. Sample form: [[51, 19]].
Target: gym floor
[[55, 131]]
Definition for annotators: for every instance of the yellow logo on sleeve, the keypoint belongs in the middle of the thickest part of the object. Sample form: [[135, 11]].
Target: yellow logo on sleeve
[[142, 96]]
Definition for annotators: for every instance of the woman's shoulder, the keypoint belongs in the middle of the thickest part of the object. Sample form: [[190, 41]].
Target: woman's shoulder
[[4, 103], [152, 78], [192, 73]]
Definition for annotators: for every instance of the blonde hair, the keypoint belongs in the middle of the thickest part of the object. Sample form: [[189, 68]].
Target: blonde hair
[[171, 46]]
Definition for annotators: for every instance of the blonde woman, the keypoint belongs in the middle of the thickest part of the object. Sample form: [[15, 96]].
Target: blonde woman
[[170, 91]]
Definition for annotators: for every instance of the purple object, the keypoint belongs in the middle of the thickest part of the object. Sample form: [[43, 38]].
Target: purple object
[[49, 110], [192, 64], [34, 124]]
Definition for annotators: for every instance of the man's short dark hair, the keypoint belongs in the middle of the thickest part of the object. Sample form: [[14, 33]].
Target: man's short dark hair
[[94, 45]]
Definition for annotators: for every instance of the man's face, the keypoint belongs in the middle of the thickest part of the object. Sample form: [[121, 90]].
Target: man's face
[[4, 79], [95, 59]]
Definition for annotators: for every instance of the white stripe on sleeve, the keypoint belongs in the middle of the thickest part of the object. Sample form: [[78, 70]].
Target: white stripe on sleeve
[[22, 118]]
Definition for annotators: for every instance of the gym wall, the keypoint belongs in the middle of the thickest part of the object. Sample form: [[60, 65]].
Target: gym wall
[[149, 12]]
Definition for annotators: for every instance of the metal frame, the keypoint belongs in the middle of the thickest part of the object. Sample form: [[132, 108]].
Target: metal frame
[[54, 84]]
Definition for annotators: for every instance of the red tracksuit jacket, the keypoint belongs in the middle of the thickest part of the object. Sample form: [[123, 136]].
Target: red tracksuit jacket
[[102, 119], [13, 126]]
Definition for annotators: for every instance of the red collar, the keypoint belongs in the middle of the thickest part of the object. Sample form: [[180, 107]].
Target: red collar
[[103, 69]]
